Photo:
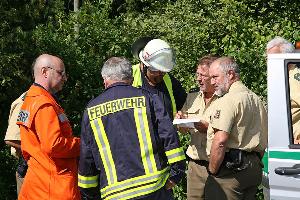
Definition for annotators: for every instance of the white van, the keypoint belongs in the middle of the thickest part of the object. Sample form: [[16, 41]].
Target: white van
[[281, 178]]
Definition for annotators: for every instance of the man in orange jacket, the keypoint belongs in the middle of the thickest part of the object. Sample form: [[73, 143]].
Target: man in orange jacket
[[47, 142]]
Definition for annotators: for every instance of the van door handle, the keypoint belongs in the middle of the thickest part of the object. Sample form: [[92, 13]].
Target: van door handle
[[287, 171]]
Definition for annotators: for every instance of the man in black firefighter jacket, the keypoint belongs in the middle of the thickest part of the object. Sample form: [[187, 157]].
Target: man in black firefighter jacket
[[129, 147], [157, 59]]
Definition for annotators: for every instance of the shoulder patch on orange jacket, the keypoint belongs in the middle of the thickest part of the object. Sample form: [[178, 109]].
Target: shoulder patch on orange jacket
[[29, 108], [23, 116]]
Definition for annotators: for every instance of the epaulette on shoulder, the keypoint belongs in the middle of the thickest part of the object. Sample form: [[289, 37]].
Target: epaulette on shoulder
[[194, 90], [23, 96]]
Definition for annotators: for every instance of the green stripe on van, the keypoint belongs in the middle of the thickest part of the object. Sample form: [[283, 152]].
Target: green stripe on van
[[284, 155], [265, 162]]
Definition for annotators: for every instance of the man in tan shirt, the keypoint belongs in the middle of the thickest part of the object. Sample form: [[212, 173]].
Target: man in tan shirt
[[281, 45], [236, 137], [197, 105], [13, 139]]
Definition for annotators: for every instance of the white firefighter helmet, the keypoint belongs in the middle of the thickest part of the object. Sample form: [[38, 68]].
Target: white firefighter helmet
[[158, 56]]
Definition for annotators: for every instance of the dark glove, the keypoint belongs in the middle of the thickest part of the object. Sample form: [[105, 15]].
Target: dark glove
[[22, 167]]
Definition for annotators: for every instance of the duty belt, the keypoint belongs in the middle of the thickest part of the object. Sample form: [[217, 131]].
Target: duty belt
[[199, 162]]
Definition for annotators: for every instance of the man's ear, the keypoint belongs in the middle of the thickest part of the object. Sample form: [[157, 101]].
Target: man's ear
[[105, 83], [231, 74], [44, 72]]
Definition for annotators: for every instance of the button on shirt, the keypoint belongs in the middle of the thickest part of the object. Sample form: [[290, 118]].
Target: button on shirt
[[13, 130]]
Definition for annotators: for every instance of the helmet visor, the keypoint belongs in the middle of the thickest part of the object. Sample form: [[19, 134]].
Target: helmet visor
[[162, 60]]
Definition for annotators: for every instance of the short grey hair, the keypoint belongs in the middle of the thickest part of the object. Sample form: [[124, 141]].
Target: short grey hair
[[117, 69], [284, 45], [228, 63]]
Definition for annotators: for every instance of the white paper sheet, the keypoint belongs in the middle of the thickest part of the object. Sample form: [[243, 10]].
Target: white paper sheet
[[188, 123]]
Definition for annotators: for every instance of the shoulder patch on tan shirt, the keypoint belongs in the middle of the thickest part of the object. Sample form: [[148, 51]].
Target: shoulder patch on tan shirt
[[297, 76]]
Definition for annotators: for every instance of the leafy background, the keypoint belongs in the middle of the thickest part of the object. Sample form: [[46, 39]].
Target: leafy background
[[194, 28]]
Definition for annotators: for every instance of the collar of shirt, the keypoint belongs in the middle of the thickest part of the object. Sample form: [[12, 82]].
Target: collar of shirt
[[154, 89], [117, 84], [214, 96], [236, 86], [53, 95]]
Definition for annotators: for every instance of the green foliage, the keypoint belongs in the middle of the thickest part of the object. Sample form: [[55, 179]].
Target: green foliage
[[8, 186], [194, 28], [179, 190], [17, 51], [259, 193]]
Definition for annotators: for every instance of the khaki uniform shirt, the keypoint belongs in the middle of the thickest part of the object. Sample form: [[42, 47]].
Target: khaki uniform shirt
[[13, 130], [294, 80], [195, 108], [242, 115]]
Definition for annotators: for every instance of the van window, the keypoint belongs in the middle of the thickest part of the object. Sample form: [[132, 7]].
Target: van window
[[293, 96]]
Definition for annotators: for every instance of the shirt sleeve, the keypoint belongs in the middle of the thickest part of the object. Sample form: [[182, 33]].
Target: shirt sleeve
[[223, 115], [170, 140], [88, 175], [52, 141], [13, 130]]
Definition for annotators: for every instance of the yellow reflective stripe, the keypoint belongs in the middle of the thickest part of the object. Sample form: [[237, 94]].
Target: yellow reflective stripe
[[175, 155], [136, 74], [140, 190], [87, 181], [108, 151], [104, 150], [141, 142], [176, 159], [149, 141], [173, 151], [168, 83], [133, 182], [87, 185], [145, 141], [95, 131], [136, 192]]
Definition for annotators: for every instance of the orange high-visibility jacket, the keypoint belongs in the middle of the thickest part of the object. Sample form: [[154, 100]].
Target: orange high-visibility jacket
[[50, 148]]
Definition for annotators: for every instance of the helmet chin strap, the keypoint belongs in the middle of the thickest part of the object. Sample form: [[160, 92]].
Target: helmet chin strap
[[145, 68]]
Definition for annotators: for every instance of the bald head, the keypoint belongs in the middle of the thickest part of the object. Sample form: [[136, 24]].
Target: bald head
[[44, 60], [49, 71]]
